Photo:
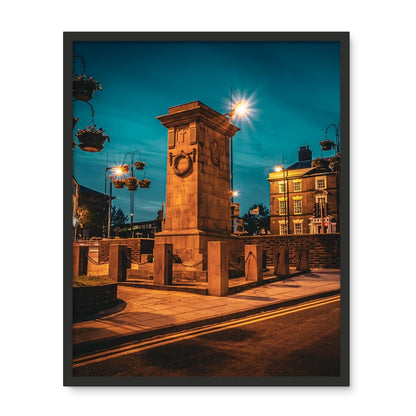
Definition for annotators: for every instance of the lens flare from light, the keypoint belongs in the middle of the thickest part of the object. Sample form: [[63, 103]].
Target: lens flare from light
[[278, 168], [118, 171], [242, 106]]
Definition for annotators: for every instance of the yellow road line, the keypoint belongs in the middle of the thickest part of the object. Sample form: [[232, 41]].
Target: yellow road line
[[209, 329]]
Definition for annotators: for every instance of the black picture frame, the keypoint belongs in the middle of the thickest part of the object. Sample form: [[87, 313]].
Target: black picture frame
[[68, 39]]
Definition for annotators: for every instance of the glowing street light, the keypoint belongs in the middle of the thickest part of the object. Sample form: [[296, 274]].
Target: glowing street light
[[280, 168], [121, 170], [118, 179], [241, 109]]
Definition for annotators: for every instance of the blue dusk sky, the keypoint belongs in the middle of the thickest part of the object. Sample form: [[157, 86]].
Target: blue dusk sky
[[293, 87]]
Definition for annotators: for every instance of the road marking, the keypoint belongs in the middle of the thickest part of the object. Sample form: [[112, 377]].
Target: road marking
[[196, 332]]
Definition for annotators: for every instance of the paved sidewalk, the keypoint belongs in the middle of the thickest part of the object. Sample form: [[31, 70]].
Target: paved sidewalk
[[150, 312]]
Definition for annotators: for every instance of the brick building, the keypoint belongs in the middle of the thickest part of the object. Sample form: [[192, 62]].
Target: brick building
[[97, 204], [304, 198]]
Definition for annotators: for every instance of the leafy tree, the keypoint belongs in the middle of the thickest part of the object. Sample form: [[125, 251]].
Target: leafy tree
[[254, 223], [83, 216], [89, 218], [118, 218]]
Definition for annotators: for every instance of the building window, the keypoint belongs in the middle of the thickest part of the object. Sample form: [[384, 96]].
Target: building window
[[282, 187], [282, 207], [320, 183], [297, 206], [321, 207], [297, 186], [282, 228], [297, 229], [321, 199]]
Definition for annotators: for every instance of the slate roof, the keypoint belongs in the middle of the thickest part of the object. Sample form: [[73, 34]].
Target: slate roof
[[303, 164]]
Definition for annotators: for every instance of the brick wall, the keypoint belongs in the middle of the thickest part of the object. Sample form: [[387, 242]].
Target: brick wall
[[324, 249], [138, 246], [92, 299]]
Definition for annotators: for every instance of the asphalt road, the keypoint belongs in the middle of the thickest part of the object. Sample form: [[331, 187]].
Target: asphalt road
[[297, 341]]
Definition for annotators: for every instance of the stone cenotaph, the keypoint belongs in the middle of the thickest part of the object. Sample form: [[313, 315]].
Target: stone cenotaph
[[197, 186]]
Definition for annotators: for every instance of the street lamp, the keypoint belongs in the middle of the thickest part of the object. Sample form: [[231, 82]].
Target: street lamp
[[131, 182], [336, 162], [329, 143], [280, 168], [239, 109]]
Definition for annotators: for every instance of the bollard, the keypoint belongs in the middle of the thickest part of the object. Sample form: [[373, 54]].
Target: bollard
[[254, 262], [218, 257], [118, 263], [281, 265], [162, 260], [79, 260], [302, 259]]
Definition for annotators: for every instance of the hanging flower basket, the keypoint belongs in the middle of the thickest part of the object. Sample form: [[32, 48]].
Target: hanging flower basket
[[132, 183], [140, 165], [321, 164], [144, 183], [91, 140], [327, 145], [84, 87], [118, 183], [335, 163]]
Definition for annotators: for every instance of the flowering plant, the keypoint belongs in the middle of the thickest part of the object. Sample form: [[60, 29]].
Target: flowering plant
[[327, 144], [144, 183], [91, 139], [132, 183], [83, 87]]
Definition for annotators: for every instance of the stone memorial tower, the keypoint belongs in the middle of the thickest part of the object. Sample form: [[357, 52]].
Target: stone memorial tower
[[197, 185]]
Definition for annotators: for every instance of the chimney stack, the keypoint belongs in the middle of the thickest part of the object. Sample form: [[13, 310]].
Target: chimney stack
[[304, 153]]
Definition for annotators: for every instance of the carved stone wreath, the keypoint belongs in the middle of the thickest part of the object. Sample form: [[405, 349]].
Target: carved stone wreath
[[182, 169]]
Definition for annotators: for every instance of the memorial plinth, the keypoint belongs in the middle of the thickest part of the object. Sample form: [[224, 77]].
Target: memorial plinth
[[197, 185]]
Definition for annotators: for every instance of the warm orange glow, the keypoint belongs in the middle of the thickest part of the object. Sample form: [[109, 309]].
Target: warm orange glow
[[118, 171], [241, 107], [235, 193], [278, 168]]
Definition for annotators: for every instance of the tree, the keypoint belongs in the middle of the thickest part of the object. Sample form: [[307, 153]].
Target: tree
[[83, 216], [118, 218], [90, 219], [256, 223]]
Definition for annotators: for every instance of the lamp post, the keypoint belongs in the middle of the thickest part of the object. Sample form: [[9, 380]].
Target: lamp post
[[241, 108], [132, 183], [337, 131], [280, 168], [330, 144], [117, 171]]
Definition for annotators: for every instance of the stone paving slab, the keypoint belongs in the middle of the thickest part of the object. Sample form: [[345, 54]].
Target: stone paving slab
[[149, 310]]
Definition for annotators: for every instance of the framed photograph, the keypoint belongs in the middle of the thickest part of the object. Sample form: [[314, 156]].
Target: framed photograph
[[206, 209]]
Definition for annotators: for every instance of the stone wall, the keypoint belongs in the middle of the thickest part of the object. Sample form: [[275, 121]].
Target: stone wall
[[140, 248], [92, 299], [324, 249]]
